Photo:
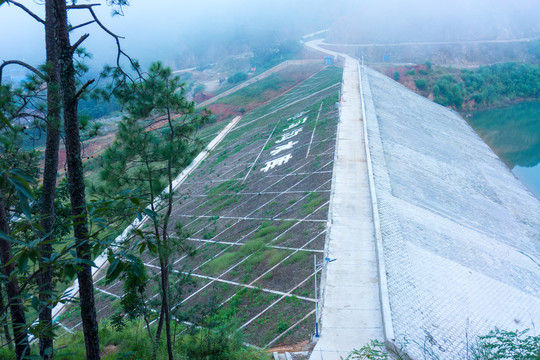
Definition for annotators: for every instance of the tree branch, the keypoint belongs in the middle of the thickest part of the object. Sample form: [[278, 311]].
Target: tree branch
[[17, 62], [81, 25], [86, 6], [117, 38], [79, 42], [26, 115], [81, 90], [27, 11]]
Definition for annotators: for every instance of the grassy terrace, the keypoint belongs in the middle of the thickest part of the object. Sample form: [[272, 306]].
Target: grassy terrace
[[256, 232]]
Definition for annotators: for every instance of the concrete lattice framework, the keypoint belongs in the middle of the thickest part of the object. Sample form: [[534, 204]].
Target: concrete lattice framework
[[256, 211]]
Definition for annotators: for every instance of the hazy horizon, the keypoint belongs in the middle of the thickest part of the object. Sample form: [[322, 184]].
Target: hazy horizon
[[187, 33]]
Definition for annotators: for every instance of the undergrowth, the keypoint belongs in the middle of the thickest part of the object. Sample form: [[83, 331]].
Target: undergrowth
[[498, 344], [133, 343]]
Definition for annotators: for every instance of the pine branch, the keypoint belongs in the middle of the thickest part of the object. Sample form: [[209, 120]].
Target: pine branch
[[81, 90], [82, 25], [21, 63], [79, 42], [37, 18]]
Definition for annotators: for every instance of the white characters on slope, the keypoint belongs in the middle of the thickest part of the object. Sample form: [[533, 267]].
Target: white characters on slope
[[276, 162], [289, 135], [281, 148], [295, 124], [284, 159]]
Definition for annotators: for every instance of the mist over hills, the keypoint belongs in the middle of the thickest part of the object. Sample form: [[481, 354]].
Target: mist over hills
[[393, 21], [187, 34]]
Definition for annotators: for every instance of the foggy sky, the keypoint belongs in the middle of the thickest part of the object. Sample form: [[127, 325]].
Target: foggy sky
[[158, 29], [169, 29]]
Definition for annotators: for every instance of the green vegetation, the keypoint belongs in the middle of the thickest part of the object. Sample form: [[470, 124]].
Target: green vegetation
[[498, 344], [133, 343], [267, 231], [255, 92], [222, 262], [237, 77], [502, 82], [313, 201], [448, 91], [224, 194], [253, 247], [375, 350], [478, 88], [421, 84], [299, 256], [411, 72]]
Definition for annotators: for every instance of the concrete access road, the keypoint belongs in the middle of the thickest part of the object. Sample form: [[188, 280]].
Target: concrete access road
[[350, 312]]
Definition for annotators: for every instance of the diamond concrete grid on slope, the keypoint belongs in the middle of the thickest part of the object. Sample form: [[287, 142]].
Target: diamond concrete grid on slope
[[458, 248], [293, 182]]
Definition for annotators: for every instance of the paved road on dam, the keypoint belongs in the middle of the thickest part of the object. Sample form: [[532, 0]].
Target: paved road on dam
[[351, 311]]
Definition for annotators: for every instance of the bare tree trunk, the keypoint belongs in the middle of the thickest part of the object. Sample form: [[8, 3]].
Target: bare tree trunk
[[18, 317], [76, 184], [49, 183]]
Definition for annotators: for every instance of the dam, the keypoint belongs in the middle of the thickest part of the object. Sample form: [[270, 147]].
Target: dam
[[457, 235], [419, 235], [461, 235]]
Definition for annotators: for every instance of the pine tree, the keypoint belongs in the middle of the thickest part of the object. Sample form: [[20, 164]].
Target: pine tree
[[154, 144]]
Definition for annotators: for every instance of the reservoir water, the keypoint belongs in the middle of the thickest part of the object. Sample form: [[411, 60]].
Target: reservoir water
[[513, 132]]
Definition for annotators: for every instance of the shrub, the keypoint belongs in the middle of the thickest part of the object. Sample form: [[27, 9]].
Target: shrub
[[421, 84], [238, 77], [500, 344], [411, 72]]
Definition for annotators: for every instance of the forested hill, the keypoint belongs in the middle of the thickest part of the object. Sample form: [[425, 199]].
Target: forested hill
[[483, 87]]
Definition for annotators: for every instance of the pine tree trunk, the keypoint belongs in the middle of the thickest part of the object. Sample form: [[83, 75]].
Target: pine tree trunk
[[76, 185], [166, 237], [49, 183], [165, 305], [18, 317], [7, 334]]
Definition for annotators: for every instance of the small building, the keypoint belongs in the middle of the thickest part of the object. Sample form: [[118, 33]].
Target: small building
[[328, 60]]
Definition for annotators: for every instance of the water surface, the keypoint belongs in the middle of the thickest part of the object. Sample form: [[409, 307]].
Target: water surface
[[513, 132]]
